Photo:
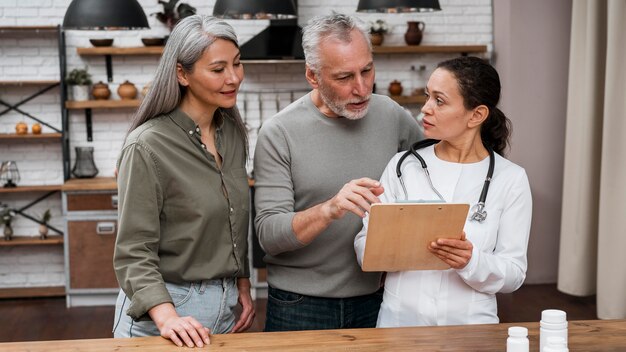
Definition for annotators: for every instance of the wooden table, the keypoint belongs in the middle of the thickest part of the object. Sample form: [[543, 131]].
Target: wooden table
[[584, 335]]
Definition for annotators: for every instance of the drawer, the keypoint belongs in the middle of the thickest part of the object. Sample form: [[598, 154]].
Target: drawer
[[91, 245], [92, 201]]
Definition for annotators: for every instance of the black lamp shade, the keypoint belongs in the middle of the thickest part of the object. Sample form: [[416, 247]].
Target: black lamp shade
[[238, 8], [105, 14], [398, 6]]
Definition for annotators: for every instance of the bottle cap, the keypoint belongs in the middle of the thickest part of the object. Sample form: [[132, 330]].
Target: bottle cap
[[518, 331], [553, 316]]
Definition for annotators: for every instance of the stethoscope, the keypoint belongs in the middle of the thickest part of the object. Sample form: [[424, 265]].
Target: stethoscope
[[479, 213]]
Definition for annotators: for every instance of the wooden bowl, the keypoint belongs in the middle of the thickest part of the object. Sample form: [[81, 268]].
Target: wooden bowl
[[101, 42], [153, 41]]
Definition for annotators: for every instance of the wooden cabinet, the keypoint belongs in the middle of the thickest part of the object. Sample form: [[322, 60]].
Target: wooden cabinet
[[90, 207], [91, 244]]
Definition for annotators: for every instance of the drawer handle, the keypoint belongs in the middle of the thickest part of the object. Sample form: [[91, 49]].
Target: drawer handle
[[105, 228], [114, 201]]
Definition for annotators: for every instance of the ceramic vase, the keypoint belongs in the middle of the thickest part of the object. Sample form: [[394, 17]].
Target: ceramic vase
[[395, 88], [100, 91], [414, 32], [377, 38], [127, 90]]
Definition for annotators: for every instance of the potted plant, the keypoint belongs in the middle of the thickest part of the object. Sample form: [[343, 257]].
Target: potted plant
[[6, 216], [43, 227], [172, 14], [377, 29], [79, 80]]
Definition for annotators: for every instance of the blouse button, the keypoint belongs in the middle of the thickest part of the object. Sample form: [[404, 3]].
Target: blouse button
[[197, 129], [190, 132]]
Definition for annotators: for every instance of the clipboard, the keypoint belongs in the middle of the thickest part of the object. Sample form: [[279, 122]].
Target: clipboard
[[398, 234]]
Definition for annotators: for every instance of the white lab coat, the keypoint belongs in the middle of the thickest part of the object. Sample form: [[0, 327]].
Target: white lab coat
[[498, 263]]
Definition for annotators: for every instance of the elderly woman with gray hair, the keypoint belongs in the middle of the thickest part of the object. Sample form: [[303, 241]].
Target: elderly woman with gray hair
[[181, 249]]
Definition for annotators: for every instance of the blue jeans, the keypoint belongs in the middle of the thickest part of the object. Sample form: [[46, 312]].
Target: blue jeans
[[210, 302], [287, 311]]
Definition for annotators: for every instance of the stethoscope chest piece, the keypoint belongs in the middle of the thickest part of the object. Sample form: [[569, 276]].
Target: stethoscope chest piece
[[478, 212]]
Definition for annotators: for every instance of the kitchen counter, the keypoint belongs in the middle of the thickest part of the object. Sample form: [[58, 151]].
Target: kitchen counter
[[584, 335], [90, 184]]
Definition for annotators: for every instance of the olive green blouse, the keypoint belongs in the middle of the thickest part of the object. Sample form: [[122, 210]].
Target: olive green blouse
[[181, 218]]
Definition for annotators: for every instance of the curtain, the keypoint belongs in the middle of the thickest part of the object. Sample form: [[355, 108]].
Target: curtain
[[592, 254]]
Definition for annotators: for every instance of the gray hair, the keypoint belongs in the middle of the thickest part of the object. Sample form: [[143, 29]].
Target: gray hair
[[186, 44], [337, 26]]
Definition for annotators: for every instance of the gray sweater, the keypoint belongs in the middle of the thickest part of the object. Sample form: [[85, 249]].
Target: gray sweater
[[304, 158]]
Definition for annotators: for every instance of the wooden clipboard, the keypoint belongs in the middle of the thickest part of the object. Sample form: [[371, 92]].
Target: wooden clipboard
[[398, 234]]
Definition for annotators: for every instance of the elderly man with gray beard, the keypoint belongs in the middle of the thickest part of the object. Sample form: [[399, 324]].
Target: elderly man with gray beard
[[316, 166]]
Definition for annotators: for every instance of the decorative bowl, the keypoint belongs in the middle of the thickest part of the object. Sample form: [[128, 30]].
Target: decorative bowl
[[153, 41], [101, 42]]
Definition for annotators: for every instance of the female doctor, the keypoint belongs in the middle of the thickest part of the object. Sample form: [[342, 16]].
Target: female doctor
[[490, 256]]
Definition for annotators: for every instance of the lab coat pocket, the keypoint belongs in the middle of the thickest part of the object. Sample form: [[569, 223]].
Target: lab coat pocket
[[483, 309]]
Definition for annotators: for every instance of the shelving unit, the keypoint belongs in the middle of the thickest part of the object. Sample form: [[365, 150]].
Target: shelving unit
[[58, 135]]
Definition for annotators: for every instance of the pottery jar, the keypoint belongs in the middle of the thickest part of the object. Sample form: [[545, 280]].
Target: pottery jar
[[413, 35], [395, 87], [127, 90], [100, 91], [376, 38], [21, 128]]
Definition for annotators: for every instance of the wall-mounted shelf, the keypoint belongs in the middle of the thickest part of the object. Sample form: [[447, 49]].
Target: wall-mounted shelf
[[429, 49], [408, 99], [102, 104], [29, 83], [27, 28], [30, 137], [25, 189], [32, 241], [112, 50]]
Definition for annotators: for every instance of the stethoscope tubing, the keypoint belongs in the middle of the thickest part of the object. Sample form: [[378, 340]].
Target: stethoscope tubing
[[479, 212]]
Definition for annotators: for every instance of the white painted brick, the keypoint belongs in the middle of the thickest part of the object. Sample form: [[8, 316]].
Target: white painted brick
[[460, 22]]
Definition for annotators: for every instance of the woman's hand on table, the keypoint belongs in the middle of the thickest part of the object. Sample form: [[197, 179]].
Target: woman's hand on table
[[181, 330]]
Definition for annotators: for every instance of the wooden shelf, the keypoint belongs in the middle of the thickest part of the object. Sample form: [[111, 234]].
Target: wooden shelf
[[30, 292], [31, 241], [408, 99], [90, 184], [27, 28], [102, 104], [29, 137], [112, 50], [26, 189], [430, 49], [29, 83]]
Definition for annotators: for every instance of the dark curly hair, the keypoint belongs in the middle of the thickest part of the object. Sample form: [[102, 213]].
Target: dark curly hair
[[479, 84]]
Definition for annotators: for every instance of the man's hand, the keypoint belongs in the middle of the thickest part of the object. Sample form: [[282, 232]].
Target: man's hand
[[180, 330], [247, 314], [456, 253], [355, 196]]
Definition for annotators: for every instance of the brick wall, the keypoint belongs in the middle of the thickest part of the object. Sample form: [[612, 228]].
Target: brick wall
[[35, 57]]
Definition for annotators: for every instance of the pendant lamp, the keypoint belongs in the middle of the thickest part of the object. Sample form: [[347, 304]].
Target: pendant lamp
[[247, 9], [105, 15], [398, 6]]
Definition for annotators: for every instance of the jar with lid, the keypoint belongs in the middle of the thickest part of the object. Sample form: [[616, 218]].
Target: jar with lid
[[517, 340], [553, 323], [100, 91]]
